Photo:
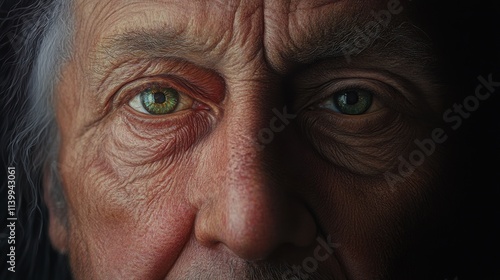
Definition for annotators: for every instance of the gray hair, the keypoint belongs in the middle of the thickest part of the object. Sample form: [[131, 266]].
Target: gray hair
[[41, 46]]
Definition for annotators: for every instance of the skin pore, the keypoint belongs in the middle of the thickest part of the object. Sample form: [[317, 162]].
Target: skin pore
[[191, 194]]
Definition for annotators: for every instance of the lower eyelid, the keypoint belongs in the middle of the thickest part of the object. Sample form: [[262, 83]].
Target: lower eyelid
[[154, 139]]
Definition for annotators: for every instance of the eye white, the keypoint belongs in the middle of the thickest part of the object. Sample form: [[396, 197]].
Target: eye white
[[329, 104], [136, 104]]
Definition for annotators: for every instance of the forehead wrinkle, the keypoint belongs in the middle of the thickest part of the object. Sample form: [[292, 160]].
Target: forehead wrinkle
[[144, 43], [312, 43], [298, 33], [183, 36], [312, 39]]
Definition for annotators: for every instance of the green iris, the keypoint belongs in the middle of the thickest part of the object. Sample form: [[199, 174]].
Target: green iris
[[353, 102], [160, 101]]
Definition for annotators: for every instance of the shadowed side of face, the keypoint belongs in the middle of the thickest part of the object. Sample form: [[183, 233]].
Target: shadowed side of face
[[243, 139]]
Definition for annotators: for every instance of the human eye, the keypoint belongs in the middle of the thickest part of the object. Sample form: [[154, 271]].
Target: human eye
[[359, 121], [351, 98], [160, 99], [351, 101]]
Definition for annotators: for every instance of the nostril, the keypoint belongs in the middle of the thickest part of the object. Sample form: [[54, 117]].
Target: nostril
[[254, 229], [260, 249]]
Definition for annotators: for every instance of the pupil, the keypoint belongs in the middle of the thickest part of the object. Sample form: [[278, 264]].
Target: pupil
[[351, 97], [159, 97]]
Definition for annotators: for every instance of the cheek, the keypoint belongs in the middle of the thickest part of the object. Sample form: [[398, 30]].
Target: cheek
[[125, 218], [368, 147], [372, 221]]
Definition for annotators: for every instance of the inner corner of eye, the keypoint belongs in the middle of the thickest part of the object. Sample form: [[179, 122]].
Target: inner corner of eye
[[136, 103]]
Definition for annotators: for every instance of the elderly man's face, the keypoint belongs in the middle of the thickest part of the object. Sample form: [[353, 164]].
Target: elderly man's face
[[241, 140]]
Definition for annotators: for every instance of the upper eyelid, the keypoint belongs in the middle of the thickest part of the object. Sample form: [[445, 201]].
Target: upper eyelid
[[132, 89], [129, 70], [209, 84]]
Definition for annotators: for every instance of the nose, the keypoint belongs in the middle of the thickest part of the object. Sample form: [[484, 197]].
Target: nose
[[252, 209], [253, 222]]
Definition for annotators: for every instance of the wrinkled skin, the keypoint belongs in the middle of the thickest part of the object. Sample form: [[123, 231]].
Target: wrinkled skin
[[195, 194]]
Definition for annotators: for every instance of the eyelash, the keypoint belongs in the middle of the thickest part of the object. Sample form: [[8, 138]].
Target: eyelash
[[135, 88], [327, 90]]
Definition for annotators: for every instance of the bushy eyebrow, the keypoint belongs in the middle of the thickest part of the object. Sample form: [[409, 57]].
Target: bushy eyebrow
[[147, 43], [403, 41], [347, 41]]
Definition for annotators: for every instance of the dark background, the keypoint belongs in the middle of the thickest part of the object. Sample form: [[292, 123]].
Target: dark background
[[467, 34], [34, 257]]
